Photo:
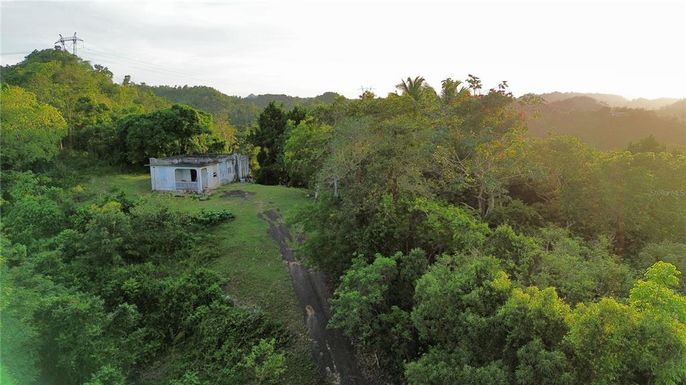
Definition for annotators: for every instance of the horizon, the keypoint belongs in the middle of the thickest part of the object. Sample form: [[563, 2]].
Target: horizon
[[305, 49]]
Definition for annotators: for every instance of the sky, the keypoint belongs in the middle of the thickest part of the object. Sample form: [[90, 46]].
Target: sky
[[634, 49]]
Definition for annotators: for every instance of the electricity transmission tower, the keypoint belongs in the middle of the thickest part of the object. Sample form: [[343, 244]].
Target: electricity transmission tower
[[63, 40]]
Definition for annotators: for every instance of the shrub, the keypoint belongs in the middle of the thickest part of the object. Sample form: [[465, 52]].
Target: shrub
[[212, 217]]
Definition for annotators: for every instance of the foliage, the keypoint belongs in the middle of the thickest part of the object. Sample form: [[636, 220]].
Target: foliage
[[101, 289], [266, 364], [579, 270], [458, 245], [649, 144], [241, 112], [671, 252], [633, 198], [305, 150], [642, 341], [84, 94], [270, 138], [456, 303], [212, 217], [31, 131], [372, 303], [174, 131]]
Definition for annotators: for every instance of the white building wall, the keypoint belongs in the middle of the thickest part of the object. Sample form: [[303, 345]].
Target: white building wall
[[163, 178], [213, 176], [224, 171]]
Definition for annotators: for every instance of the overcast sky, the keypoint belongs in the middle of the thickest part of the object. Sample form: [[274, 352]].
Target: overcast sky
[[307, 48]]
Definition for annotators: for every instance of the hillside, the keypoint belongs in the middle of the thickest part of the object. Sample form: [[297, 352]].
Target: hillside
[[84, 93], [612, 100], [677, 110], [607, 127], [241, 112]]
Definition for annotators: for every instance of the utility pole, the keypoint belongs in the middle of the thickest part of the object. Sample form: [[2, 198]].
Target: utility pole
[[72, 39]]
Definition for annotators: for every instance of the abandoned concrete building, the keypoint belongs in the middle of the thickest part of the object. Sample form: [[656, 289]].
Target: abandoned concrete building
[[197, 173]]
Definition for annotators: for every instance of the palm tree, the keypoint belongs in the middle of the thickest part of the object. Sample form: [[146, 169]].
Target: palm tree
[[412, 87], [449, 89]]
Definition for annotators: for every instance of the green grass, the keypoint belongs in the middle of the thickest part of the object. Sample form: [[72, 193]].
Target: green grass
[[248, 257]]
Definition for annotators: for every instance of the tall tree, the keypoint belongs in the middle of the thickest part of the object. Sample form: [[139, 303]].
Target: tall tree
[[269, 137]]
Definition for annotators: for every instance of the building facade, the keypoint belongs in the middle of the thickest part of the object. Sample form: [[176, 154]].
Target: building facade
[[197, 173]]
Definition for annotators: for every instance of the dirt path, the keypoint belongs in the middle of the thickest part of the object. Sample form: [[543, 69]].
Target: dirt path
[[331, 349]]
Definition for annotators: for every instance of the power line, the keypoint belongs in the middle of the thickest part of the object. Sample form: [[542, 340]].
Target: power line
[[131, 61], [124, 60], [147, 67]]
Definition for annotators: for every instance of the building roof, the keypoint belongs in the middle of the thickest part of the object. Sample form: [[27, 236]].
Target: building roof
[[191, 160], [182, 164]]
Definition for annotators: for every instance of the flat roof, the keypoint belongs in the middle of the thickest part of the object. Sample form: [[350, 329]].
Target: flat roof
[[190, 160], [182, 164]]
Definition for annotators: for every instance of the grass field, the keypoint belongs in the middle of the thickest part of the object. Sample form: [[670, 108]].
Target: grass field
[[248, 257]]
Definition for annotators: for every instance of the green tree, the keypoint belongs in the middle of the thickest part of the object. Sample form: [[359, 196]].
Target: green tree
[[269, 137], [539, 366], [31, 131], [438, 367], [451, 90], [671, 252], [305, 150], [456, 304], [643, 341], [535, 322], [520, 255], [83, 93], [412, 87], [581, 271], [362, 290], [372, 306], [177, 130]]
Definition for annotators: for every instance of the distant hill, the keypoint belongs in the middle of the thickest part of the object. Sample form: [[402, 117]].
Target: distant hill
[[261, 101], [605, 121], [676, 110], [612, 100], [241, 112], [604, 126]]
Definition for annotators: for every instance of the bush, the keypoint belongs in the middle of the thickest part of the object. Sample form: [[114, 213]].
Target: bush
[[212, 217]]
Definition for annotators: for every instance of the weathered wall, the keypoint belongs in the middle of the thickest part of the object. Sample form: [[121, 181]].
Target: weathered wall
[[163, 178], [213, 176]]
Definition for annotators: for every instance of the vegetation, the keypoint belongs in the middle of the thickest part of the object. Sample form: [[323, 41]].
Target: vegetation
[[31, 131], [461, 248], [470, 253], [106, 283]]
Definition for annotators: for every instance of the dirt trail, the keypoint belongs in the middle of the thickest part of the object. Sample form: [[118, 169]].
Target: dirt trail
[[331, 349]]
